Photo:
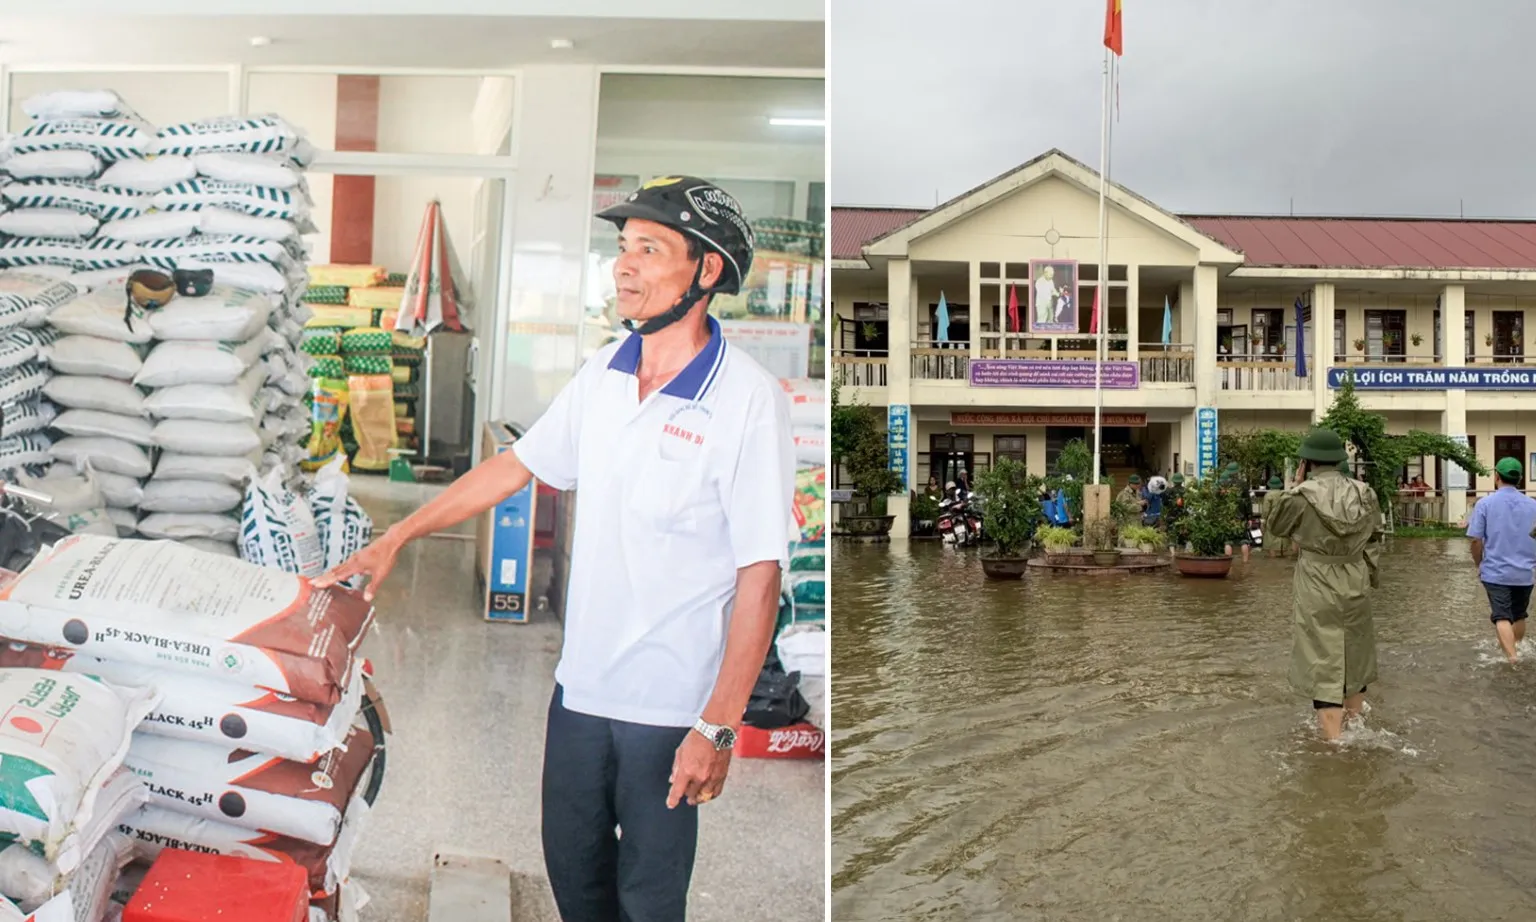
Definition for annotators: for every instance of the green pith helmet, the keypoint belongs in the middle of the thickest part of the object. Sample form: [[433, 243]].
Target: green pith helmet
[[1323, 446], [1135, 480], [1275, 483], [1232, 467], [1177, 480]]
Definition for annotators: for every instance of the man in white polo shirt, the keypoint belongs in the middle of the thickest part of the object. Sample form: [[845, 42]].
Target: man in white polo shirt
[[681, 449]]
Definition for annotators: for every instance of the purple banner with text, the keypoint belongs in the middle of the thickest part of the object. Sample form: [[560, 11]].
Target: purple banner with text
[[1049, 373]]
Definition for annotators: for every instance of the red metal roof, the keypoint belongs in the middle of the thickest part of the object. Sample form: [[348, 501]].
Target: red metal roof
[[1300, 243], [1376, 243], [852, 228]]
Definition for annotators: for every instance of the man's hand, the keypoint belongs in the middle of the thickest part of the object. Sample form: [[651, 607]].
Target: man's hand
[[375, 561], [698, 772]]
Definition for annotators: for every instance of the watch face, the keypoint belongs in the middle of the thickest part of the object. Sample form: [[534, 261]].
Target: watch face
[[725, 739]]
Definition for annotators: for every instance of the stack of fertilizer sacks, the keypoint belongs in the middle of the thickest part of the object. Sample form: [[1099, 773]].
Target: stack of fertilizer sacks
[[354, 368], [250, 742], [171, 408], [801, 640]]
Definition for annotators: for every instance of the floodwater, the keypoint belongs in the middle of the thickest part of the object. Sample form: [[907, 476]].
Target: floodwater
[[1127, 748]]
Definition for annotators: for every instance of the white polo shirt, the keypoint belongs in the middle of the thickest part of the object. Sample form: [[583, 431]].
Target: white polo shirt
[[677, 492]]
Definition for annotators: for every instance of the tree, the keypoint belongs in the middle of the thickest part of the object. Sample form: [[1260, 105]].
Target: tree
[[1010, 500]]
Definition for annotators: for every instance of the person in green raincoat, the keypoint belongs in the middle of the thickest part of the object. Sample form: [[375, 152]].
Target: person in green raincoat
[[1132, 494], [1173, 510], [1274, 545], [1335, 523]]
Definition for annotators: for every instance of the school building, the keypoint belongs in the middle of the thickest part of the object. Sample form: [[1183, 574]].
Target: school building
[[1427, 314]]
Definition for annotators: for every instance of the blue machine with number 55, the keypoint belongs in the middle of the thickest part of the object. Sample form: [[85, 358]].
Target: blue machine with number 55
[[505, 539]]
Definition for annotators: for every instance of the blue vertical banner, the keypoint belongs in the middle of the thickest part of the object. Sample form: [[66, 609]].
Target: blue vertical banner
[[898, 421], [1205, 423]]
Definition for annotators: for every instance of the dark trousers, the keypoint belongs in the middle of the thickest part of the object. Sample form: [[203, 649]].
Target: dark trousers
[[613, 850]]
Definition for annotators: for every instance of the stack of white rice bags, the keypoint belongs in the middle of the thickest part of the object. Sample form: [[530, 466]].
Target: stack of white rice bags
[[175, 409], [25, 301]]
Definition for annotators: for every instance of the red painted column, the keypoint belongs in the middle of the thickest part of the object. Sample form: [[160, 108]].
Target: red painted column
[[357, 128]]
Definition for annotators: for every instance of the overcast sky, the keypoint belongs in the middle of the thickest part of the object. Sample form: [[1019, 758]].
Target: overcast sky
[[1421, 107]]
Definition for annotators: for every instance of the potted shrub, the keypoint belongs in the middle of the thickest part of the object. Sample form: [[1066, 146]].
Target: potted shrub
[[859, 442], [1056, 540], [1211, 521], [1360, 346], [1010, 502], [1102, 538], [1416, 339], [1144, 538], [925, 515]]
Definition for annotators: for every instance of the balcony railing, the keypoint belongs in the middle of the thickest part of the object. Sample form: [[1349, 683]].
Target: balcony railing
[[1261, 376], [860, 368], [935, 361], [1173, 363]]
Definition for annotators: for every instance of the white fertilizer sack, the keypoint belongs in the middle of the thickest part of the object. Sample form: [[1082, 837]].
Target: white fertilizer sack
[[159, 603], [31, 880], [343, 526], [183, 362], [62, 738], [277, 528]]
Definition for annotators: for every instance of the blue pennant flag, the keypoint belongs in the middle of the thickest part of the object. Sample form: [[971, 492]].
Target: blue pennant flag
[[941, 321], [1301, 343], [1167, 322]]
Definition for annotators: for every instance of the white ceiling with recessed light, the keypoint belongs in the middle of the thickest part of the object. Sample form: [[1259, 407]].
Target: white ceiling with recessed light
[[450, 41]]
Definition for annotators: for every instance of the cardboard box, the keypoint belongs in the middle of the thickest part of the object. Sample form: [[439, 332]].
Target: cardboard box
[[797, 741], [504, 539]]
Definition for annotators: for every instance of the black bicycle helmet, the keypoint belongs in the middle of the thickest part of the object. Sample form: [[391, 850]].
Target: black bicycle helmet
[[699, 209]]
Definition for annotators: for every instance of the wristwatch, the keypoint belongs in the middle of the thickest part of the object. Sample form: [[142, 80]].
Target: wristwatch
[[721, 737]]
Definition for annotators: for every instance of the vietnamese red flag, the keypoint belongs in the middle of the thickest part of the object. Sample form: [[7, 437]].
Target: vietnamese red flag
[[1114, 34], [1093, 325], [1013, 309]]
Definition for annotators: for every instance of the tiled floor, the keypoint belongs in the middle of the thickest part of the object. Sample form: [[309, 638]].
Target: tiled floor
[[468, 700]]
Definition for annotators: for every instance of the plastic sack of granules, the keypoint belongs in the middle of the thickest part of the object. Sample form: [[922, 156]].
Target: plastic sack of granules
[[31, 880], [61, 739], [810, 504], [344, 527], [277, 528], [328, 411]]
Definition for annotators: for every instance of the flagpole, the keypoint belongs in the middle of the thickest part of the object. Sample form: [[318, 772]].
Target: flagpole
[[1102, 296]]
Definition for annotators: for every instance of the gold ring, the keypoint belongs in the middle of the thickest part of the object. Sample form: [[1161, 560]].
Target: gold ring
[[706, 798]]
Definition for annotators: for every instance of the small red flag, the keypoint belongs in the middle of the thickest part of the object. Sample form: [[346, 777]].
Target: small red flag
[[1114, 34], [1013, 309], [1093, 325]]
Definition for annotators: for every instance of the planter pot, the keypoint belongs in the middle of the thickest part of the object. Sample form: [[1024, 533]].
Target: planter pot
[[1206, 567], [1148, 549], [1106, 558], [868, 526], [1057, 551], [1004, 567]]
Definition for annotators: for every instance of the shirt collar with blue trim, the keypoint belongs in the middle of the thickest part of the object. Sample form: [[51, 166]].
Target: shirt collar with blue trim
[[694, 381]]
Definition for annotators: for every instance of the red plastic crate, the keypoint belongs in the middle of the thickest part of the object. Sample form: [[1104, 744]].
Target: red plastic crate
[[191, 887], [797, 741]]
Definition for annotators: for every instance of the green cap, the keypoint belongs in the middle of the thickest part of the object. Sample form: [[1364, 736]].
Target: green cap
[[1509, 467], [1276, 483], [1135, 479], [1177, 478], [1323, 446], [1233, 467]]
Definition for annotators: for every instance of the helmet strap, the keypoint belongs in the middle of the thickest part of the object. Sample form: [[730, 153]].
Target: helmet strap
[[676, 312]]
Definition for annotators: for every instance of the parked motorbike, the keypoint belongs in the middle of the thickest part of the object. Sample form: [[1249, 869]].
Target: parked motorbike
[[960, 522]]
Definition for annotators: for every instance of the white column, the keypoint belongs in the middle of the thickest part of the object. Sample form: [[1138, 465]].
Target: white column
[[901, 295], [1133, 313], [1203, 295], [548, 244], [1322, 347], [1453, 305], [976, 311]]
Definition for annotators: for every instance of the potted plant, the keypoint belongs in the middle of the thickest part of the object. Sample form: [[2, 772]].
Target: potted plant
[[1416, 339], [1143, 538], [925, 515], [1102, 538], [1488, 339], [859, 441], [1010, 502], [1056, 540], [1360, 346], [1211, 521]]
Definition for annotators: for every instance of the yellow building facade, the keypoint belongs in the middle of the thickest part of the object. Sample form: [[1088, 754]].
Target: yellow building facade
[[1428, 316]]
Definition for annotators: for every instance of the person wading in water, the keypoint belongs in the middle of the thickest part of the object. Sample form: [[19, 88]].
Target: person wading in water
[[1335, 523], [1500, 529]]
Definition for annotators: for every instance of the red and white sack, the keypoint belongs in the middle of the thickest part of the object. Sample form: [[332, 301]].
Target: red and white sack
[[59, 909], [207, 710], [30, 880], [154, 829], [807, 401], [159, 603], [89, 888], [62, 737], [296, 799]]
